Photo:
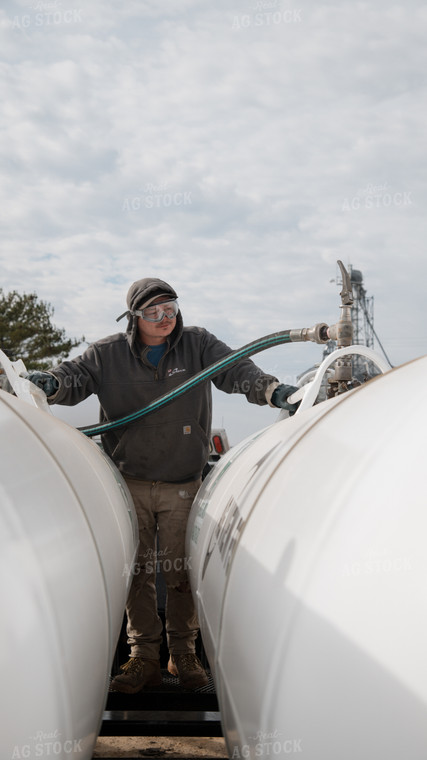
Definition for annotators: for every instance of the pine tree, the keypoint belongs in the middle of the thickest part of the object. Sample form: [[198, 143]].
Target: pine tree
[[27, 333]]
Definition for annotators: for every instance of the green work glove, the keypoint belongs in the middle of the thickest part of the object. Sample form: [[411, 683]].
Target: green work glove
[[44, 380], [279, 396]]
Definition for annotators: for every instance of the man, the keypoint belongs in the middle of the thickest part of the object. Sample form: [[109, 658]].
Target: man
[[161, 457]]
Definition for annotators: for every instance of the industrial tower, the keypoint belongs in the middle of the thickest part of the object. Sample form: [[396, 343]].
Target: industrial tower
[[362, 317], [362, 313]]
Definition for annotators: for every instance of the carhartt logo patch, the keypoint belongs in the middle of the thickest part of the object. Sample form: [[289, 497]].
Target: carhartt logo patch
[[186, 429], [174, 371]]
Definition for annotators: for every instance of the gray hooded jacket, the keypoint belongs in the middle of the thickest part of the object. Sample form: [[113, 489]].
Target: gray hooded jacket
[[171, 444]]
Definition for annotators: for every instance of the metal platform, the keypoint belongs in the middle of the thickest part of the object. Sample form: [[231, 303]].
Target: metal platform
[[166, 710]]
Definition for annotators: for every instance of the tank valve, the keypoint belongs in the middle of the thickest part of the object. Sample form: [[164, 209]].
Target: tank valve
[[342, 332]]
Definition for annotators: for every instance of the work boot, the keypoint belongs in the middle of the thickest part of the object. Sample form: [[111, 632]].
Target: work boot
[[189, 670], [137, 673]]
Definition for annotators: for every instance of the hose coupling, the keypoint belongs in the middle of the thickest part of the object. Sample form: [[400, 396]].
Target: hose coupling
[[318, 334]]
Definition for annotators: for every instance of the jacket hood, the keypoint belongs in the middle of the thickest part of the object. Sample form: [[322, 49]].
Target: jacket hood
[[139, 292]]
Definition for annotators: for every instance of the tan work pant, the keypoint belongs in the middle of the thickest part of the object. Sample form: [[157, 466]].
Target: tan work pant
[[162, 510]]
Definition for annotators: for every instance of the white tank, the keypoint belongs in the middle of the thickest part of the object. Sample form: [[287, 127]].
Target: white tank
[[68, 537], [307, 547]]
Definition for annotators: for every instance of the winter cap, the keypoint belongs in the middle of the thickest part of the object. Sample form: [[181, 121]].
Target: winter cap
[[143, 292]]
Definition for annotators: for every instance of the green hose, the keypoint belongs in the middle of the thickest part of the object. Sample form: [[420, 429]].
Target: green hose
[[255, 347]]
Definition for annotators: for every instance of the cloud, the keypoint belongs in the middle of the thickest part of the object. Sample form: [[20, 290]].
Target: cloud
[[235, 150]]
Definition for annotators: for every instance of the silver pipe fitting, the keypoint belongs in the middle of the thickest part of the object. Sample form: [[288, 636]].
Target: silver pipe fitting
[[318, 334]]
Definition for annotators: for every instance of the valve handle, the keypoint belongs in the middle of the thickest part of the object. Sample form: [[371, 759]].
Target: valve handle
[[346, 292]]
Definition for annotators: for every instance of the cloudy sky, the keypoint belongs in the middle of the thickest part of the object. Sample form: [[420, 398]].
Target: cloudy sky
[[236, 149]]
